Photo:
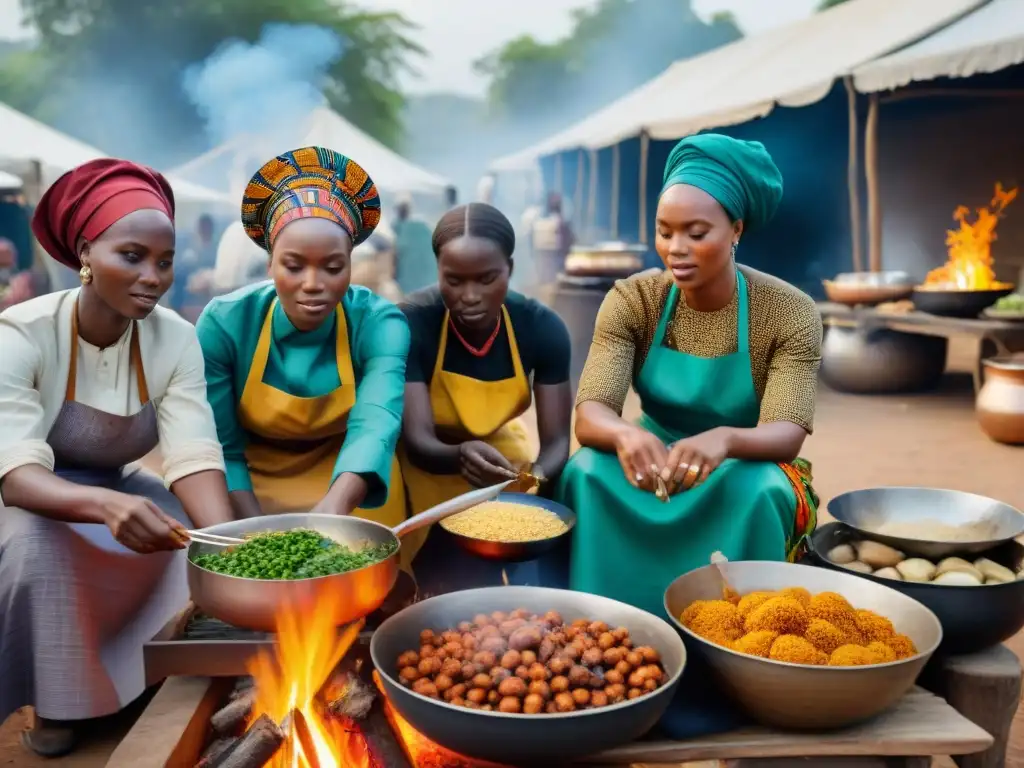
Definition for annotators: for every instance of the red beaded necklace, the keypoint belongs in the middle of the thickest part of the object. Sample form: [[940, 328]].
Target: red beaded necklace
[[469, 347]]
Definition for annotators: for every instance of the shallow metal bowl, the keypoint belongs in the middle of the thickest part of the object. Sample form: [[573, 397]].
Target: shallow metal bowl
[[521, 551], [784, 695], [854, 288], [966, 304], [529, 740], [972, 618], [255, 603], [865, 510]]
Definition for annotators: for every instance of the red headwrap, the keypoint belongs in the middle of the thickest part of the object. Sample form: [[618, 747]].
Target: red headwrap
[[86, 200]]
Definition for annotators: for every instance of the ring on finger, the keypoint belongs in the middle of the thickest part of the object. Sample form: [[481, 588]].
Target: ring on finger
[[692, 473]]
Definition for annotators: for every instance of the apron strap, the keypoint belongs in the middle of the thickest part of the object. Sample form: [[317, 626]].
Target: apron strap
[[513, 345], [742, 315], [666, 315], [258, 364], [134, 360]]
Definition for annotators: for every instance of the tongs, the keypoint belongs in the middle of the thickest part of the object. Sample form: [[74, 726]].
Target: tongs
[[213, 539]]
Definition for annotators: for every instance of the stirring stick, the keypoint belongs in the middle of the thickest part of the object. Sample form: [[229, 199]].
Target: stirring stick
[[719, 560]]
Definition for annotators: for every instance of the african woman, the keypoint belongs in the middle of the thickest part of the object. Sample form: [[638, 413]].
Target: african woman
[[724, 359], [305, 372], [480, 355], [92, 380]]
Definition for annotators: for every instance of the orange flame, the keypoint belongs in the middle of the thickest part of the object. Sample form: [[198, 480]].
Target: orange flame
[[308, 649], [969, 267]]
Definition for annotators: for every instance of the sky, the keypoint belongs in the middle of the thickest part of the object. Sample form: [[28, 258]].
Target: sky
[[455, 33]]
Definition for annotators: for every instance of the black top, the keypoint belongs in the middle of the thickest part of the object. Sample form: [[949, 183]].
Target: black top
[[542, 338]]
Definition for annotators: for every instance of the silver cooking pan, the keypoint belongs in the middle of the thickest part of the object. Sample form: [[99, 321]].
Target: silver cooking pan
[[255, 603]]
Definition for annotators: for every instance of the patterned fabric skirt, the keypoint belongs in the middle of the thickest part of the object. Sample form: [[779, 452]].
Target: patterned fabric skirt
[[76, 607]]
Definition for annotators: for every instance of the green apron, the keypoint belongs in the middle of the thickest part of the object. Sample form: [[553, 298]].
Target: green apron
[[629, 545]]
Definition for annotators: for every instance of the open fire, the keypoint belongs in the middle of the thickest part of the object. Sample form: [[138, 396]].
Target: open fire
[[969, 267]]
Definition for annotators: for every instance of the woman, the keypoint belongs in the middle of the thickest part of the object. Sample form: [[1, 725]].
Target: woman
[[724, 359], [305, 373], [92, 380], [476, 348]]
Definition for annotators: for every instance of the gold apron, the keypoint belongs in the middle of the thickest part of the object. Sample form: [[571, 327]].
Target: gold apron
[[293, 442], [469, 409]]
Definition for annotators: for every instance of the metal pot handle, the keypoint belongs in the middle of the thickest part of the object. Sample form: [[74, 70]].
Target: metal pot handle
[[449, 508]]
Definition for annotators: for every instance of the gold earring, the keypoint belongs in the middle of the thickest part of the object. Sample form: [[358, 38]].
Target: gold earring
[[85, 275]]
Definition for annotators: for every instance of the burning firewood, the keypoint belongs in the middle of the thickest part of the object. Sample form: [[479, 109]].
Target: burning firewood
[[348, 696], [296, 723], [230, 719], [253, 750]]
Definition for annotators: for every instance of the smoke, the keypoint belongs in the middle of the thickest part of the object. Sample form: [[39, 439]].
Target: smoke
[[266, 86]]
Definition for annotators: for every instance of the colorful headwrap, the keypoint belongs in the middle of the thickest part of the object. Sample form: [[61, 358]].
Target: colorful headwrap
[[87, 200], [312, 182], [740, 175]]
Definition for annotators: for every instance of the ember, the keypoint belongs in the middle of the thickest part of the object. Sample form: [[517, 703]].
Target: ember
[[969, 267]]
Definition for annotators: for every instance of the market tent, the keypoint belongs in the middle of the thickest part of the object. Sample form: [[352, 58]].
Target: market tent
[[987, 40], [25, 139], [794, 65], [234, 161]]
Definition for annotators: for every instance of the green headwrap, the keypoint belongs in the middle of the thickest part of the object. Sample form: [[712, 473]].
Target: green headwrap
[[740, 175]]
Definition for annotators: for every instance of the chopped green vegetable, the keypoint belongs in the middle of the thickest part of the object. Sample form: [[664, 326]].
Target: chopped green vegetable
[[295, 554], [1014, 302]]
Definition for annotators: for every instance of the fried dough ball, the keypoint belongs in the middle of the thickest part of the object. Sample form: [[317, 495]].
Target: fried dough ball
[[714, 620], [780, 614], [533, 704], [756, 643], [873, 626], [796, 650], [833, 608], [825, 636], [902, 646], [853, 656], [799, 594], [882, 651], [748, 603]]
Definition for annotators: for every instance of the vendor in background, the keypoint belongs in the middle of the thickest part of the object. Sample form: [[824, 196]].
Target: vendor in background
[[92, 380], [551, 238], [479, 356], [724, 359], [192, 270], [306, 373], [414, 261], [15, 286]]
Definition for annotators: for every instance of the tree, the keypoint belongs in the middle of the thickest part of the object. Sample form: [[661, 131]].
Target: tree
[[613, 48], [824, 5], [111, 71]]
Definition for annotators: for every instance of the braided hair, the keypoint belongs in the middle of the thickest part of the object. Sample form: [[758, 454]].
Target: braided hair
[[475, 220]]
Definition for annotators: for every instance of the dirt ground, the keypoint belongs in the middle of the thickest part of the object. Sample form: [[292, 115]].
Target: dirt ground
[[928, 440]]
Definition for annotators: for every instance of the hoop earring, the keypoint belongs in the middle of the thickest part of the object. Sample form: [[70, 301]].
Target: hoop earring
[[732, 250], [85, 275]]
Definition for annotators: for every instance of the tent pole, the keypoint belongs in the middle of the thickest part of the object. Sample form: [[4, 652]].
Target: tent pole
[[853, 175], [615, 192], [558, 174], [577, 197], [592, 196], [645, 149], [871, 174]]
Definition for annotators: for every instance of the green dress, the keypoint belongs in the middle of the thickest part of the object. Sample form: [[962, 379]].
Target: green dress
[[629, 545]]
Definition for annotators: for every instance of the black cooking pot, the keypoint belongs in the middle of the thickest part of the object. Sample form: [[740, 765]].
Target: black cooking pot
[[957, 303], [972, 618]]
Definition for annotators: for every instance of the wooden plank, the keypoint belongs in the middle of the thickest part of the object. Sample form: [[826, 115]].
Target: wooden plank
[[922, 724], [919, 322], [172, 731]]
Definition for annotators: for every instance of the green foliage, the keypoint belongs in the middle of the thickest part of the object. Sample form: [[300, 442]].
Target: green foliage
[[824, 5], [614, 47], [134, 52]]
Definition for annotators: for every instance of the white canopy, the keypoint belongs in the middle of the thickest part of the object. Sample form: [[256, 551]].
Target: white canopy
[[987, 40], [25, 139], [794, 65], [326, 128]]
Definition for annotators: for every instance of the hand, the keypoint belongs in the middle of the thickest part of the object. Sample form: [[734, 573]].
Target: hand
[[482, 465], [344, 496], [690, 461], [138, 523], [642, 456]]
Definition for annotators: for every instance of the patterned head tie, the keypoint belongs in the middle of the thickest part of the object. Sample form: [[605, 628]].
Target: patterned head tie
[[312, 182]]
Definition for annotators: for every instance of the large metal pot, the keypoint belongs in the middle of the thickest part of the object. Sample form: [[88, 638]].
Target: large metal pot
[[880, 361], [527, 740], [972, 618], [1000, 403], [256, 603], [784, 695], [966, 304]]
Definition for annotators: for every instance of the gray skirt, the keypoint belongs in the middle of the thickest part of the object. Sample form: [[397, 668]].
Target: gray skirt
[[76, 607]]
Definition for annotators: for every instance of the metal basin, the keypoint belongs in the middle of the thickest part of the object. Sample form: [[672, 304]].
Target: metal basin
[[520, 551], [528, 740], [865, 510], [257, 603], [972, 618], [967, 304], [784, 695]]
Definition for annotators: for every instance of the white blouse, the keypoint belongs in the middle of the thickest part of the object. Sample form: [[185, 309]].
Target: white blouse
[[35, 343]]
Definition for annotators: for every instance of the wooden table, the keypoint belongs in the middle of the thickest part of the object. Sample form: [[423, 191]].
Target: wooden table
[[994, 337]]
